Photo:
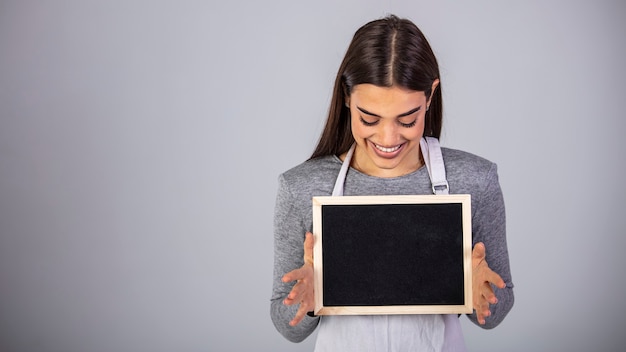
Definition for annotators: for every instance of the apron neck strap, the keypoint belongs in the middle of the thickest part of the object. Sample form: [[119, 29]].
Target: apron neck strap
[[341, 178], [431, 151]]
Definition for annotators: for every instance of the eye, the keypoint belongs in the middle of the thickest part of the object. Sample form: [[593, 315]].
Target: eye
[[367, 123], [408, 125]]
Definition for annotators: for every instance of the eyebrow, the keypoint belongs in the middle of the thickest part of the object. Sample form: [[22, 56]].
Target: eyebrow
[[401, 115]]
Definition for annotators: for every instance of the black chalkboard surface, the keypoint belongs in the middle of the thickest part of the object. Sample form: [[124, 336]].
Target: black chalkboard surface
[[392, 254]]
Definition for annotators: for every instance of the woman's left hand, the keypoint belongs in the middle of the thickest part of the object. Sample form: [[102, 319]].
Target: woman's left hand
[[483, 277], [302, 293]]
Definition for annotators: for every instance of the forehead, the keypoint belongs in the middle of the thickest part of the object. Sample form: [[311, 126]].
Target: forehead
[[386, 100]]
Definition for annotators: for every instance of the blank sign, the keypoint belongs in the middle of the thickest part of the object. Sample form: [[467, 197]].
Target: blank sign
[[392, 254]]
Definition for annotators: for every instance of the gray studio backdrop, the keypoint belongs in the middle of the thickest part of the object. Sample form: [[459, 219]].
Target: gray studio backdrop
[[140, 144]]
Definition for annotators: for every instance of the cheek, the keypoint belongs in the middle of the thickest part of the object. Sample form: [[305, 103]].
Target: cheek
[[358, 130], [417, 131]]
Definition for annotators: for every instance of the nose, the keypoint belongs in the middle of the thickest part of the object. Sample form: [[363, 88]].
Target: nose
[[388, 134]]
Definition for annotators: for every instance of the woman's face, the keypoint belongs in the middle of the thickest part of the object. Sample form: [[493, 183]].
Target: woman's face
[[387, 125]]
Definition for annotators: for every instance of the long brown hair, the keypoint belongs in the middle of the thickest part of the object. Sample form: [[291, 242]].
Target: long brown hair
[[387, 52]]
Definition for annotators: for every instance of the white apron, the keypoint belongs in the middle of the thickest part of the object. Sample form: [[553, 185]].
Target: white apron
[[394, 332]]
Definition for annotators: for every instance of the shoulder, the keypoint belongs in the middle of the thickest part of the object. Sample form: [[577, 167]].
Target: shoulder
[[312, 177], [312, 170], [462, 160], [468, 172]]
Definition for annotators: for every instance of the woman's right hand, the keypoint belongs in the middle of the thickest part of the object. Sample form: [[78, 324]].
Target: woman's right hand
[[483, 277], [302, 292]]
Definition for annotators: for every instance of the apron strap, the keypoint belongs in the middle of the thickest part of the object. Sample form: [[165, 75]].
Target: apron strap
[[341, 178], [431, 151]]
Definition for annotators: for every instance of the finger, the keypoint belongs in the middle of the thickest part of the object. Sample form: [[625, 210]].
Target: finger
[[479, 310], [480, 318], [298, 317], [306, 305], [291, 299], [482, 315], [478, 253], [308, 248], [495, 279], [481, 302], [487, 293], [296, 294], [296, 320], [481, 307], [294, 275]]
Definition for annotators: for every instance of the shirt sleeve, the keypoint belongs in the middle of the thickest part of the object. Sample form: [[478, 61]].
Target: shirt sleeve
[[489, 227], [289, 234]]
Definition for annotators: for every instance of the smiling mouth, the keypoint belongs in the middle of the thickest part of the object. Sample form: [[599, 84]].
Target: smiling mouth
[[387, 150]]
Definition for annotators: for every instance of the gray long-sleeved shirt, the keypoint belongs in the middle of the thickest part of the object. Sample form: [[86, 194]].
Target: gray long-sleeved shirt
[[466, 174]]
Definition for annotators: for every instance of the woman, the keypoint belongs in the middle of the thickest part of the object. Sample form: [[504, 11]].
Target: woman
[[386, 100]]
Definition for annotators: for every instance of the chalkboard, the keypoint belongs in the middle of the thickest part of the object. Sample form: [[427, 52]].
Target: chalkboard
[[392, 254]]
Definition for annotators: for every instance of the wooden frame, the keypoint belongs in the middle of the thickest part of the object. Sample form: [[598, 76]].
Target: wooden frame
[[350, 220]]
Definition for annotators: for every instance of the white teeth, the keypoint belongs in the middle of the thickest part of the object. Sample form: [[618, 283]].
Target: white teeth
[[387, 150]]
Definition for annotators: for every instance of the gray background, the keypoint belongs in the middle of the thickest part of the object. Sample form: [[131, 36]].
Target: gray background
[[140, 142]]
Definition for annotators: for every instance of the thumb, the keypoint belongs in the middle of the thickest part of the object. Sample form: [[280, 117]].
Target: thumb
[[308, 248], [479, 251]]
